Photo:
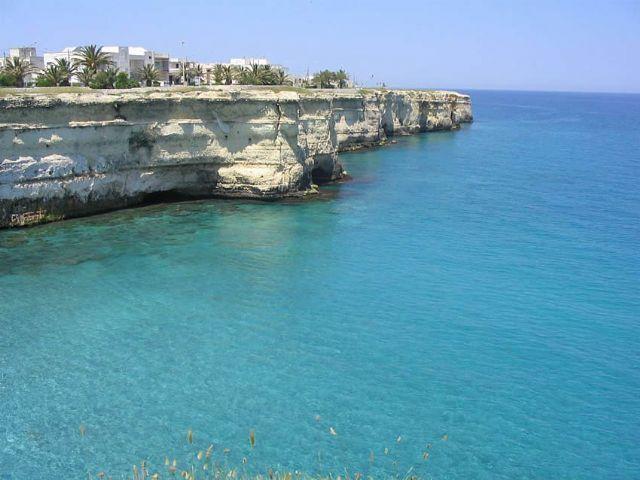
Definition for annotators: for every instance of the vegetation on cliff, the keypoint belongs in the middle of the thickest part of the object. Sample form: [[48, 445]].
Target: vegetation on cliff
[[329, 79], [92, 67]]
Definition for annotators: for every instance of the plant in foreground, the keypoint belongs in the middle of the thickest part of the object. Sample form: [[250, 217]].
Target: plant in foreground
[[211, 463]]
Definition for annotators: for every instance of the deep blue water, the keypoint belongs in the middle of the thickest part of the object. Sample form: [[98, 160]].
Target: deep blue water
[[477, 290]]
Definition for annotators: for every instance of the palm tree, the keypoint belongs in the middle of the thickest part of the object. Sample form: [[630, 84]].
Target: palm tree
[[256, 74], [148, 74], [218, 74], [93, 58], [267, 75], [67, 69], [229, 74], [85, 76], [18, 68], [53, 75], [280, 77], [249, 75], [196, 72], [111, 75], [105, 79]]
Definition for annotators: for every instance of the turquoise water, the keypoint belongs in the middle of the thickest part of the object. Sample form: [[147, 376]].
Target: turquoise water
[[479, 284]]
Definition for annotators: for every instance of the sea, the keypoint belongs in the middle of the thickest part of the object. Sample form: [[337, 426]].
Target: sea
[[467, 306]]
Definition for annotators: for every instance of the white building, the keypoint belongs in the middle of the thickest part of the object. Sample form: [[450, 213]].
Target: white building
[[68, 54], [133, 59], [29, 54], [247, 61], [126, 59]]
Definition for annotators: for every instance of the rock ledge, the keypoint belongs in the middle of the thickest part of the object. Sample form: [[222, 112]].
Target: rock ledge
[[66, 155]]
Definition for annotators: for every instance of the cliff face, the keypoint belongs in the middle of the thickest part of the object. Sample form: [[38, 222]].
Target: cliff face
[[75, 154]]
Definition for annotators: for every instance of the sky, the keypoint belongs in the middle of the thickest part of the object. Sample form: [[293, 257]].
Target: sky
[[562, 45]]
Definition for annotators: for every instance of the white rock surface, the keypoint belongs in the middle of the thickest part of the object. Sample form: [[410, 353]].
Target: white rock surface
[[68, 155]]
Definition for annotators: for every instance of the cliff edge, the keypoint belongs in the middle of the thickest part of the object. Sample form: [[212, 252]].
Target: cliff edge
[[66, 155]]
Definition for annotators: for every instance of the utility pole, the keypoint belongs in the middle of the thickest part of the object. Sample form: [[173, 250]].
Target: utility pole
[[184, 65]]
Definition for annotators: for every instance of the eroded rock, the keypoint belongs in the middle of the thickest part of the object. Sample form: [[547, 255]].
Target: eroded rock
[[68, 155]]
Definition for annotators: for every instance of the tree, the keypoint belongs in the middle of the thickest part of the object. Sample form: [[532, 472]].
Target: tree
[[267, 75], [342, 78], [148, 75], [105, 79], [18, 68], [229, 74], [67, 70], [125, 81], [51, 76], [194, 73], [85, 76], [218, 74], [281, 78], [329, 79], [324, 79], [92, 58], [7, 79], [256, 74]]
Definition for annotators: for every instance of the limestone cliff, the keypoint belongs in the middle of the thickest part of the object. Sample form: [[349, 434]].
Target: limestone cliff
[[68, 155]]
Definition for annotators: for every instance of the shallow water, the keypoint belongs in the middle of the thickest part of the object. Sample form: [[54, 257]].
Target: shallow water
[[476, 290]]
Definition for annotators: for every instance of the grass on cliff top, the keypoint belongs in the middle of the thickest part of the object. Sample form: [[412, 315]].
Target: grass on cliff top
[[4, 91], [7, 91]]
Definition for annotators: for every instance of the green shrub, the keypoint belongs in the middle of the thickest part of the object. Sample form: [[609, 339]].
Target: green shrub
[[111, 78], [102, 80], [125, 81], [7, 80], [45, 82]]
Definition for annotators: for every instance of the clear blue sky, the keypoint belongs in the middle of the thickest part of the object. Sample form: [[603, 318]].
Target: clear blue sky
[[578, 45]]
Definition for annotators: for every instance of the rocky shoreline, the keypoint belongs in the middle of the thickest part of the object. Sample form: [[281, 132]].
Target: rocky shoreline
[[65, 155]]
